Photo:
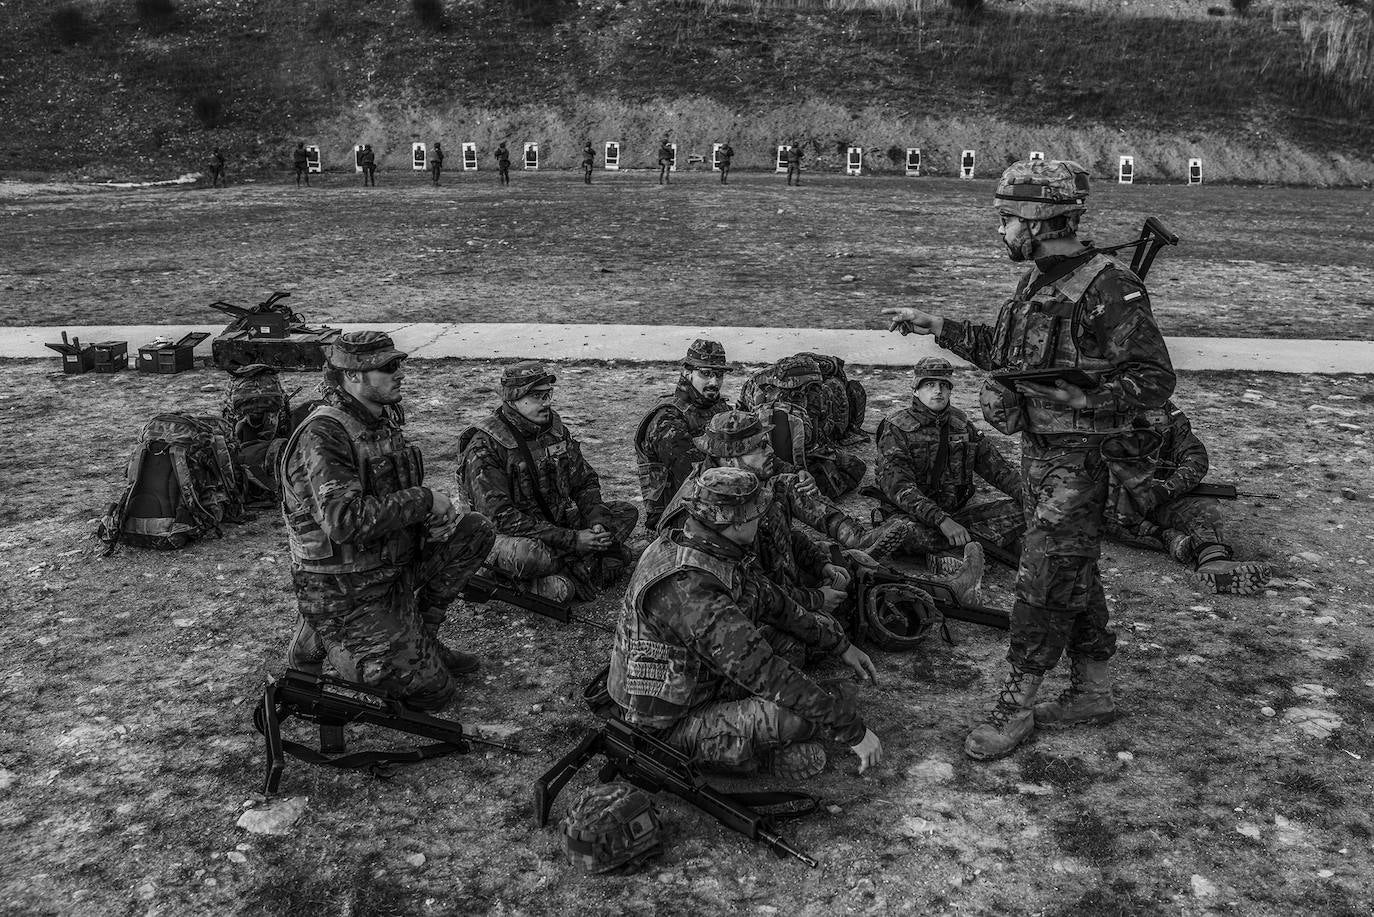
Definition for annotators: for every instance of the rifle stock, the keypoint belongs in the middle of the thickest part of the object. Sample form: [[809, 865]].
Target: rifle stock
[[487, 587]]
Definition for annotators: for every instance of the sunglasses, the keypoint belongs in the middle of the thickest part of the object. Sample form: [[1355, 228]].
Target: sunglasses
[[543, 397], [391, 367], [716, 374]]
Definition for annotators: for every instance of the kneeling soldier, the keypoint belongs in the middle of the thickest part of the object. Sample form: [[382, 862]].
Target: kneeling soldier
[[697, 622], [522, 468], [928, 454], [375, 555]]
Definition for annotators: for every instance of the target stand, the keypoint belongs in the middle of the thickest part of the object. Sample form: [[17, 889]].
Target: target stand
[[913, 161], [1125, 171], [854, 161], [312, 159], [417, 156], [966, 162], [531, 157], [469, 157]]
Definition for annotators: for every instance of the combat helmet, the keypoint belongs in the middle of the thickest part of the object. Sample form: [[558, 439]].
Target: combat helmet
[[610, 826], [1039, 190]]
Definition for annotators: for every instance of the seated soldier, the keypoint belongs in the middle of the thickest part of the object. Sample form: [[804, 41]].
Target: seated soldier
[[664, 454], [522, 469], [928, 454], [698, 625], [1166, 517], [793, 404]]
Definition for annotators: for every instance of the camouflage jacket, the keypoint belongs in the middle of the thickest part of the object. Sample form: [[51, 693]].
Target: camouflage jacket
[[664, 453], [352, 492], [691, 623], [926, 462], [499, 483], [1097, 317], [1182, 464]]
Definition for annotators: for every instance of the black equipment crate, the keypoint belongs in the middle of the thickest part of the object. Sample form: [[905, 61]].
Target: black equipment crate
[[76, 358], [111, 356], [170, 358]]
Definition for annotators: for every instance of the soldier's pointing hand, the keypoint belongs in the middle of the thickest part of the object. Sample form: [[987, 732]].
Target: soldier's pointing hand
[[914, 321]]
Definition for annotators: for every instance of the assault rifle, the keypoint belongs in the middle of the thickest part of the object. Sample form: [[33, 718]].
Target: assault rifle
[[487, 587], [333, 703], [1154, 235], [653, 766], [1218, 490]]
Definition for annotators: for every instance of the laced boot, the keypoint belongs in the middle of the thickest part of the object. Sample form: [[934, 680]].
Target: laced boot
[[1088, 698], [887, 538], [1010, 721], [306, 651], [457, 663], [1178, 544], [968, 582], [798, 761], [1219, 573], [943, 564]]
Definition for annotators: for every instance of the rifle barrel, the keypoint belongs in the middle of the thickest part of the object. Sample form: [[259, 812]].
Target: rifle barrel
[[776, 842]]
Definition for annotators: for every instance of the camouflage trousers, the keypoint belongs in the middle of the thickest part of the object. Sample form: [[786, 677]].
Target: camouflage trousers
[[1000, 522], [558, 575], [1197, 517], [836, 471], [381, 627], [1060, 604]]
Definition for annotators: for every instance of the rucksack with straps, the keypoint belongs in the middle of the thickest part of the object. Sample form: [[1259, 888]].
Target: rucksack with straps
[[259, 415], [183, 483]]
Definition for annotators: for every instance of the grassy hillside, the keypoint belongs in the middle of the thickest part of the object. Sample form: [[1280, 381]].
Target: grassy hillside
[[129, 87]]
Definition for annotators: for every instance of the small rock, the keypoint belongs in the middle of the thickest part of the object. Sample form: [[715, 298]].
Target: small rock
[[45, 641], [1268, 711], [1314, 721], [1034, 789], [833, 809], [1303, 601], [8, 778], [276, 818], [1125, 756], [1325, 873], [1249, 830], [1202, 888], [848, 278], [1307, 557], [416, 859], [1324, 620], [1350, 493], [233, 856], [147, 890], [931, 770]]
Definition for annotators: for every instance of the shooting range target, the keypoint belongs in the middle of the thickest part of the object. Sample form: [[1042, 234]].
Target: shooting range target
[[1037, 155], [715, 156], [312, 158], [469, 157], [1125, 171], [531, 156], [612, 157], [417, 157], [781, 165], [1195, 171], [672, 163], [357, 157], [966, 164], [854, 161], [913, 160]]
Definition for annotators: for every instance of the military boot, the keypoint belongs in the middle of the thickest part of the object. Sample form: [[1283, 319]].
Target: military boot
[[456, 662], [968, 582], [306, 651], [798, 761], [1088, 698], [1010, 722], [1178, 544], [887, 538], [1218, 572]]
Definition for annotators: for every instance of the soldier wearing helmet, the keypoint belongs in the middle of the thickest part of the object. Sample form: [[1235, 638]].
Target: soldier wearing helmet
[[1074, 308], [928, 455], [376, 555], [792, 402], [703, 653], [664, 453]]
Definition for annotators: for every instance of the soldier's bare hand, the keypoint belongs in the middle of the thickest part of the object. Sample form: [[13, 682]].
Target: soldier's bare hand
[[806, 485], [1062, 392], [589, 540], [861, 663], [869, 751], [837, 576], [955, 533], [914, 321], [442, 512], [831, 598]]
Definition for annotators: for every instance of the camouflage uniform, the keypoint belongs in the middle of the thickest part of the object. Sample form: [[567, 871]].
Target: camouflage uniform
[[300, 161], [370, 585], [664, 453], [539, 510], [794, 158], [794, 407], [926, 464], [698, 620]]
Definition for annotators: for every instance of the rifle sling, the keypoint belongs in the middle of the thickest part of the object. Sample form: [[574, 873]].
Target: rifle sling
[[786, 805], [525, 454]]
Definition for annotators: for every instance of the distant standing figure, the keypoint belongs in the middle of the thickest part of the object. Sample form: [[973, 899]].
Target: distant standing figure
[[794, 157], [503, 163], [301, 160], [727, 153], [436, 161], [368, 160], [216, 164], [665, 161], [588, 158]]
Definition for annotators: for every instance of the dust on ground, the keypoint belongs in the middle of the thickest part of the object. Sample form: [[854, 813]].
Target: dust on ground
[[1252, 262], [1236, 781]]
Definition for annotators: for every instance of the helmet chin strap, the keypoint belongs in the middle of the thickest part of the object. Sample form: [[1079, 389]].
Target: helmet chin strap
[[1030, 233]]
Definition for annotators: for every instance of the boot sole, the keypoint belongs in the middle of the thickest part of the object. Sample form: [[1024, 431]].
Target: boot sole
[[1246, 579], [1100, 719]]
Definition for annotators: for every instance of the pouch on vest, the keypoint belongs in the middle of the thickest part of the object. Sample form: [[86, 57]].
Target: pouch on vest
[[1002, 407], [1132, 457]]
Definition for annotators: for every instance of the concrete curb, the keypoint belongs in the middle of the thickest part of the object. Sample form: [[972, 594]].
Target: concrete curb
[[667, 343]]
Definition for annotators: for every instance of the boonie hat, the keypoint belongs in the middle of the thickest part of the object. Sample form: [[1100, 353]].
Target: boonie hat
[[704, 354], [726, 496], [363, 350], [519, 379], [733, 433]]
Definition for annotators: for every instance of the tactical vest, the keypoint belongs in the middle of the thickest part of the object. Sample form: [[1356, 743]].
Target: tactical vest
[[1040, 333], [551, 476], [654, 678], [386, 465], [656, 484], [788, 436], [947, 477]]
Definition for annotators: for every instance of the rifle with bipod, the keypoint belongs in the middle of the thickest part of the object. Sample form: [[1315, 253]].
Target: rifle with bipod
[[1153, 236], [492, 587], [990, 548]]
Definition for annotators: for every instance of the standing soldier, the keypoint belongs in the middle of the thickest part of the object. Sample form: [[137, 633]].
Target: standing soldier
[[524, 470], [368, 160], [928, 454], [300, 159], [436, 162], [1074, 308], [794, 158], [375, 554], [216, 164], [665, 161], [727, 153], [699, 624], [588, 159], [664, 454], [503, 163], [1165, 516]]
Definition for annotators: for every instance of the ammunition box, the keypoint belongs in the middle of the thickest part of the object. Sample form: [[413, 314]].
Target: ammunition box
[[170, 358], [111, 356]]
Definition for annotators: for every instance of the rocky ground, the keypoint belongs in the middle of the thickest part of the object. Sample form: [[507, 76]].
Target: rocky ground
[[1252, 262], [1236, 782]]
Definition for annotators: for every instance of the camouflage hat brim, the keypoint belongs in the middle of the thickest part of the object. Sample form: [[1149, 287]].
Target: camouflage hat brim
[[699, 363], [719, 515], [718, 446], [363, 362]]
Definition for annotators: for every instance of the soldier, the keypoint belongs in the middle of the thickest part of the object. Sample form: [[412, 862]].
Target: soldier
[[665, 161], [368, 160], [588, 160], [794, 158], [791, 402], [1074, 308], [216, 164], [1169, 518], [522, 468], [300, 159], [727, 153], [664, 453], [928, 454], [375, 554], [697, 622], [503, 163], [436, 162]]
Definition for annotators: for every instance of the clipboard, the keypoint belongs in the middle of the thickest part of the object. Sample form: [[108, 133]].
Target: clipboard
[[1070, 374]]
